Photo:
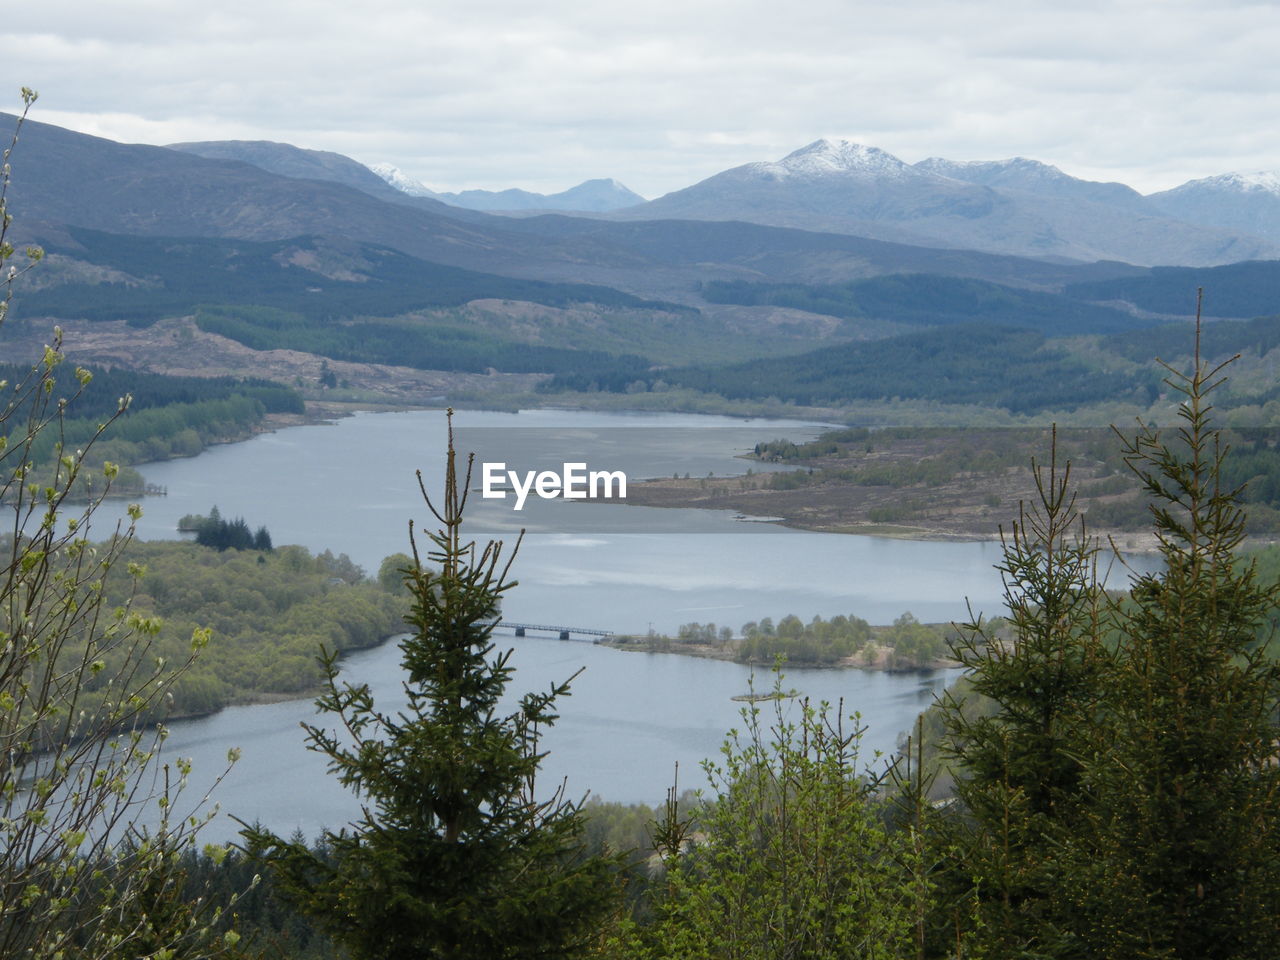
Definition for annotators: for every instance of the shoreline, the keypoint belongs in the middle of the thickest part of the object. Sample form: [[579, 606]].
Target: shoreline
[[936, 513], [785, 509], [663, 492], [755, 505], [257, 698], [881, 661], [1125, 541]]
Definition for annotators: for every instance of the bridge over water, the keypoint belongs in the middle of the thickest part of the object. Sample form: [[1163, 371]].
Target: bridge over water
[[565, 633]]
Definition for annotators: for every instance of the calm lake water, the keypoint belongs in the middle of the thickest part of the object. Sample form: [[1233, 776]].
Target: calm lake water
[[350, 487]]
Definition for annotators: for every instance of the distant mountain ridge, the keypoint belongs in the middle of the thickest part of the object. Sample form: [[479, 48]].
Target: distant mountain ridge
[[1018, 205], [1234, 201], [590, 196], [62, 178], [1014, 206], [290, 161]]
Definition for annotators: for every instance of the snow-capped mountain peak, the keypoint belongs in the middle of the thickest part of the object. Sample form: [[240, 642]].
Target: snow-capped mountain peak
[[401, 180], [1265, 181], [823, 158], [976, 170]]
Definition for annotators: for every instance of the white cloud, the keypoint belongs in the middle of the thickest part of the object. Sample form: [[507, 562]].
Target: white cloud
[[495, 93]]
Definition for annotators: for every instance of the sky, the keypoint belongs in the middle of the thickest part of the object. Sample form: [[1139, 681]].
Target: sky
[[508, 93]]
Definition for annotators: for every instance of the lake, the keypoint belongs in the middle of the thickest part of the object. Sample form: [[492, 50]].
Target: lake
[[350, 487]]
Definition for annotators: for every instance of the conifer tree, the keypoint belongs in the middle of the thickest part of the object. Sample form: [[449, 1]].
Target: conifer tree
[[1021, 771], [453, 856], [1184, 852], [1121, 800]]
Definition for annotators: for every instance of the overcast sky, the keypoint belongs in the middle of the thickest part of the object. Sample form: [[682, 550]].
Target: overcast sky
[[543, 95]]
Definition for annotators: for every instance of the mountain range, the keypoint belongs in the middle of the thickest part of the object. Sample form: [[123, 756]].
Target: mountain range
[[1248, 202], [1018, 206], [291, 247], [62, 178]]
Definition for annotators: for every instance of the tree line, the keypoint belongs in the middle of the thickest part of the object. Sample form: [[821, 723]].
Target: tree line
[[213, 531], [268, 614]]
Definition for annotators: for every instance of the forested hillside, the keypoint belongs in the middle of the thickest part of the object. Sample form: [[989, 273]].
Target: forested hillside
[[1015, 369], [270, 614], [932, 300], [148, 278], [166, 416]]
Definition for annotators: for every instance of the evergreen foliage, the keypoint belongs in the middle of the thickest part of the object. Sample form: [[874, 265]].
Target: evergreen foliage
[[454, 856], [1021, 775], [1260, 335], [172, 416], [404, 341], [1182, 813], [213, 531], [1120, 796], [1243, 290], [154, 390]]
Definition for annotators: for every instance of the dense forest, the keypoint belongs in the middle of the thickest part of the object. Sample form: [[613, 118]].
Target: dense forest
[[1239, 291], [1259, 336], [932, 300]]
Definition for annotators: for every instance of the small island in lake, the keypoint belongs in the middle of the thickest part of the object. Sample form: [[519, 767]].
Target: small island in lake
[[842, 641]]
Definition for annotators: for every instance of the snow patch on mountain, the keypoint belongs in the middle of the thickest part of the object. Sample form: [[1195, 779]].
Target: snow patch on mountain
[[826, 158], [1264, 181], [973, 171], [401, 180]]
